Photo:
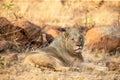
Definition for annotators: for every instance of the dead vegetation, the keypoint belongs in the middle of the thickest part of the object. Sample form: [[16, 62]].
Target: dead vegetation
[[63, 12]]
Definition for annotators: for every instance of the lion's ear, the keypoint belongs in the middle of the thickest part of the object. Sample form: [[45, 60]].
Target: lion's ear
[[65, 34]]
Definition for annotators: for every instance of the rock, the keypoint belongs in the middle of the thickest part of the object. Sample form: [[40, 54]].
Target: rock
[[29, 36], [5, 45], [104, 37], [52, 32], [4, 22], [5, 28], [32, 31], [23, 34]]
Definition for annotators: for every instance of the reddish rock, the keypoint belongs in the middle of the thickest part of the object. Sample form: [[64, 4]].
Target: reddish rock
[[31, 31], [30, 35], [5, 28], [23, 34], [4, 45], [4, 22], [106, 37], [52, 32]]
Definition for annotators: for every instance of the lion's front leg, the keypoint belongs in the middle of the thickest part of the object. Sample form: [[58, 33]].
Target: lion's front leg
[[61, 68]]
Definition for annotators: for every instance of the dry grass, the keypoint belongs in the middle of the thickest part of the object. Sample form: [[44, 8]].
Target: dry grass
[[69, 13], [18, 71]]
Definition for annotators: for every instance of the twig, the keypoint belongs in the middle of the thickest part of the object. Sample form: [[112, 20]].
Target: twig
[[10, 32]]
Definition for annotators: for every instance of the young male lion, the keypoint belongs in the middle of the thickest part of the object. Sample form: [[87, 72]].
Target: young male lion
[[62, 53]]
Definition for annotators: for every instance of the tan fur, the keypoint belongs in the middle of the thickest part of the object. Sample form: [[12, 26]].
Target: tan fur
[[60, 54]]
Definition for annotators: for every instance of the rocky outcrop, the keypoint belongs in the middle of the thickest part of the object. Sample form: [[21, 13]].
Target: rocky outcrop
[[105, 37], [22, 33]]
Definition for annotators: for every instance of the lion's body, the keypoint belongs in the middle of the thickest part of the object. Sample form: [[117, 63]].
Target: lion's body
[[59, 55]]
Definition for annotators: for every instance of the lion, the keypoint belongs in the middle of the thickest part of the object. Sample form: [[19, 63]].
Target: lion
[[62, 54]]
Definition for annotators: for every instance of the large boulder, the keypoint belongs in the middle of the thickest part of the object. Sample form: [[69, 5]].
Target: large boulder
[[30, 30], [21, 33], [4, 45], [103, 38], [31, 33], [4, 22], [6, 28]]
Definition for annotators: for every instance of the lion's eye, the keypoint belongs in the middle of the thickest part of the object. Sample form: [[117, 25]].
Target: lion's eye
[[72, 39]]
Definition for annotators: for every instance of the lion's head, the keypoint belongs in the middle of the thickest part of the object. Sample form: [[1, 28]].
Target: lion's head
[[70, 42], [74, 40]]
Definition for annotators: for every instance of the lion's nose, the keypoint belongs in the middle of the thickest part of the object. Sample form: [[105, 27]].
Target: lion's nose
[[78, 43]]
